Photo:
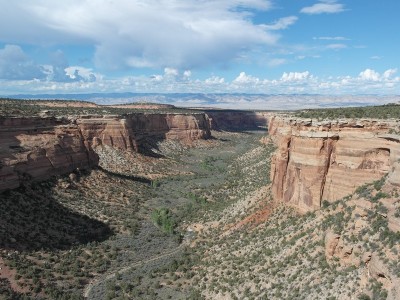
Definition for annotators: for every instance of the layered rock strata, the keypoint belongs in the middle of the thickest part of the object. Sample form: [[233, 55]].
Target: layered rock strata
[[130, 131], [36, 148], [328, 160]]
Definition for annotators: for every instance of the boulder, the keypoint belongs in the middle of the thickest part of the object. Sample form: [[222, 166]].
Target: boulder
[[331, 242]]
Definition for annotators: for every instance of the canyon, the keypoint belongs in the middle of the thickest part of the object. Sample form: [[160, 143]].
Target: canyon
[[314, 160], [308, 209]]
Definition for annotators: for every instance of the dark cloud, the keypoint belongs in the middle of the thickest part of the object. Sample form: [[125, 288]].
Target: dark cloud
[[15, 65]]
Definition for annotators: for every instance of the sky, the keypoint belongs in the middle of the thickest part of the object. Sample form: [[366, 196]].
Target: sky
[[327, 47]]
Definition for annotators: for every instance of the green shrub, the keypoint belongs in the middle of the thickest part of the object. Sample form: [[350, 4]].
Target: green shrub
[[164, 219]]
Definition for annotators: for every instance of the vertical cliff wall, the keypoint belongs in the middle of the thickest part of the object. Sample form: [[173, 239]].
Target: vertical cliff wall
[[317, 161], [128, 132], [34, 148]]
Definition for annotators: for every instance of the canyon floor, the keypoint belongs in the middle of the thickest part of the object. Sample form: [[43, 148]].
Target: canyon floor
[[193, 222]]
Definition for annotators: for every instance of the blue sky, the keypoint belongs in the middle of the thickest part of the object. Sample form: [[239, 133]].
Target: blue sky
[[212, 46]]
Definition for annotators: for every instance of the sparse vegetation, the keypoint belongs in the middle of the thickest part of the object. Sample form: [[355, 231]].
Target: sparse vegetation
[[377, 112]]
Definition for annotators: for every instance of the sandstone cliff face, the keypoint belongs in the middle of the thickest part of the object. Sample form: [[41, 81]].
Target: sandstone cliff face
[[318, 161], [130, 131], [37, 148]]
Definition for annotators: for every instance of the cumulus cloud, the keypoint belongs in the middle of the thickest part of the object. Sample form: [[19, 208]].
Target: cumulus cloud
[[295, 76], [181, 34], [15, 64], [282, 23], [171, 72], [171, 75], [368, 81], [323, 7], [78, 72], [59, 64], [372, 75], [389, 73], [369, 75], [243, 78], [215, 80]]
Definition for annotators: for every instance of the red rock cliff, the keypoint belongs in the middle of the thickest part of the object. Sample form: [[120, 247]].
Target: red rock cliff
[[128, 132], [318, 161], [35, 148]]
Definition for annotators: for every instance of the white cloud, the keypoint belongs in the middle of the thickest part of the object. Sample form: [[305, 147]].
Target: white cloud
[[181, 34], [295, 76], [76, 72], [336, 46], [15, 64], [331, 38], [171, 72], [243, 78], [157, 77], [215, 80], [368, 81], [389, 73], [369, 75], [376, 57], [324, 7], [282, 23]]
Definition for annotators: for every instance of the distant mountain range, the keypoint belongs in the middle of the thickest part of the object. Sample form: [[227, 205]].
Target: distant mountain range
[[233, 101]]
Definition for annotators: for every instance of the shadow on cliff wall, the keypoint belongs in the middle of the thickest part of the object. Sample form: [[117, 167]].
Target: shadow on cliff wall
[[236, 120], [31, 219], [149, 146]]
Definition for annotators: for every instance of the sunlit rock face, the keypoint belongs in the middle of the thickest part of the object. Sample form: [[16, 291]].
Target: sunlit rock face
[[129, 131], [38, 148], [328, 160]]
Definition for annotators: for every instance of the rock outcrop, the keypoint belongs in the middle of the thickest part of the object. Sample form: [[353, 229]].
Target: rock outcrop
[[328, 160], [331, 242], [36, 148]]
